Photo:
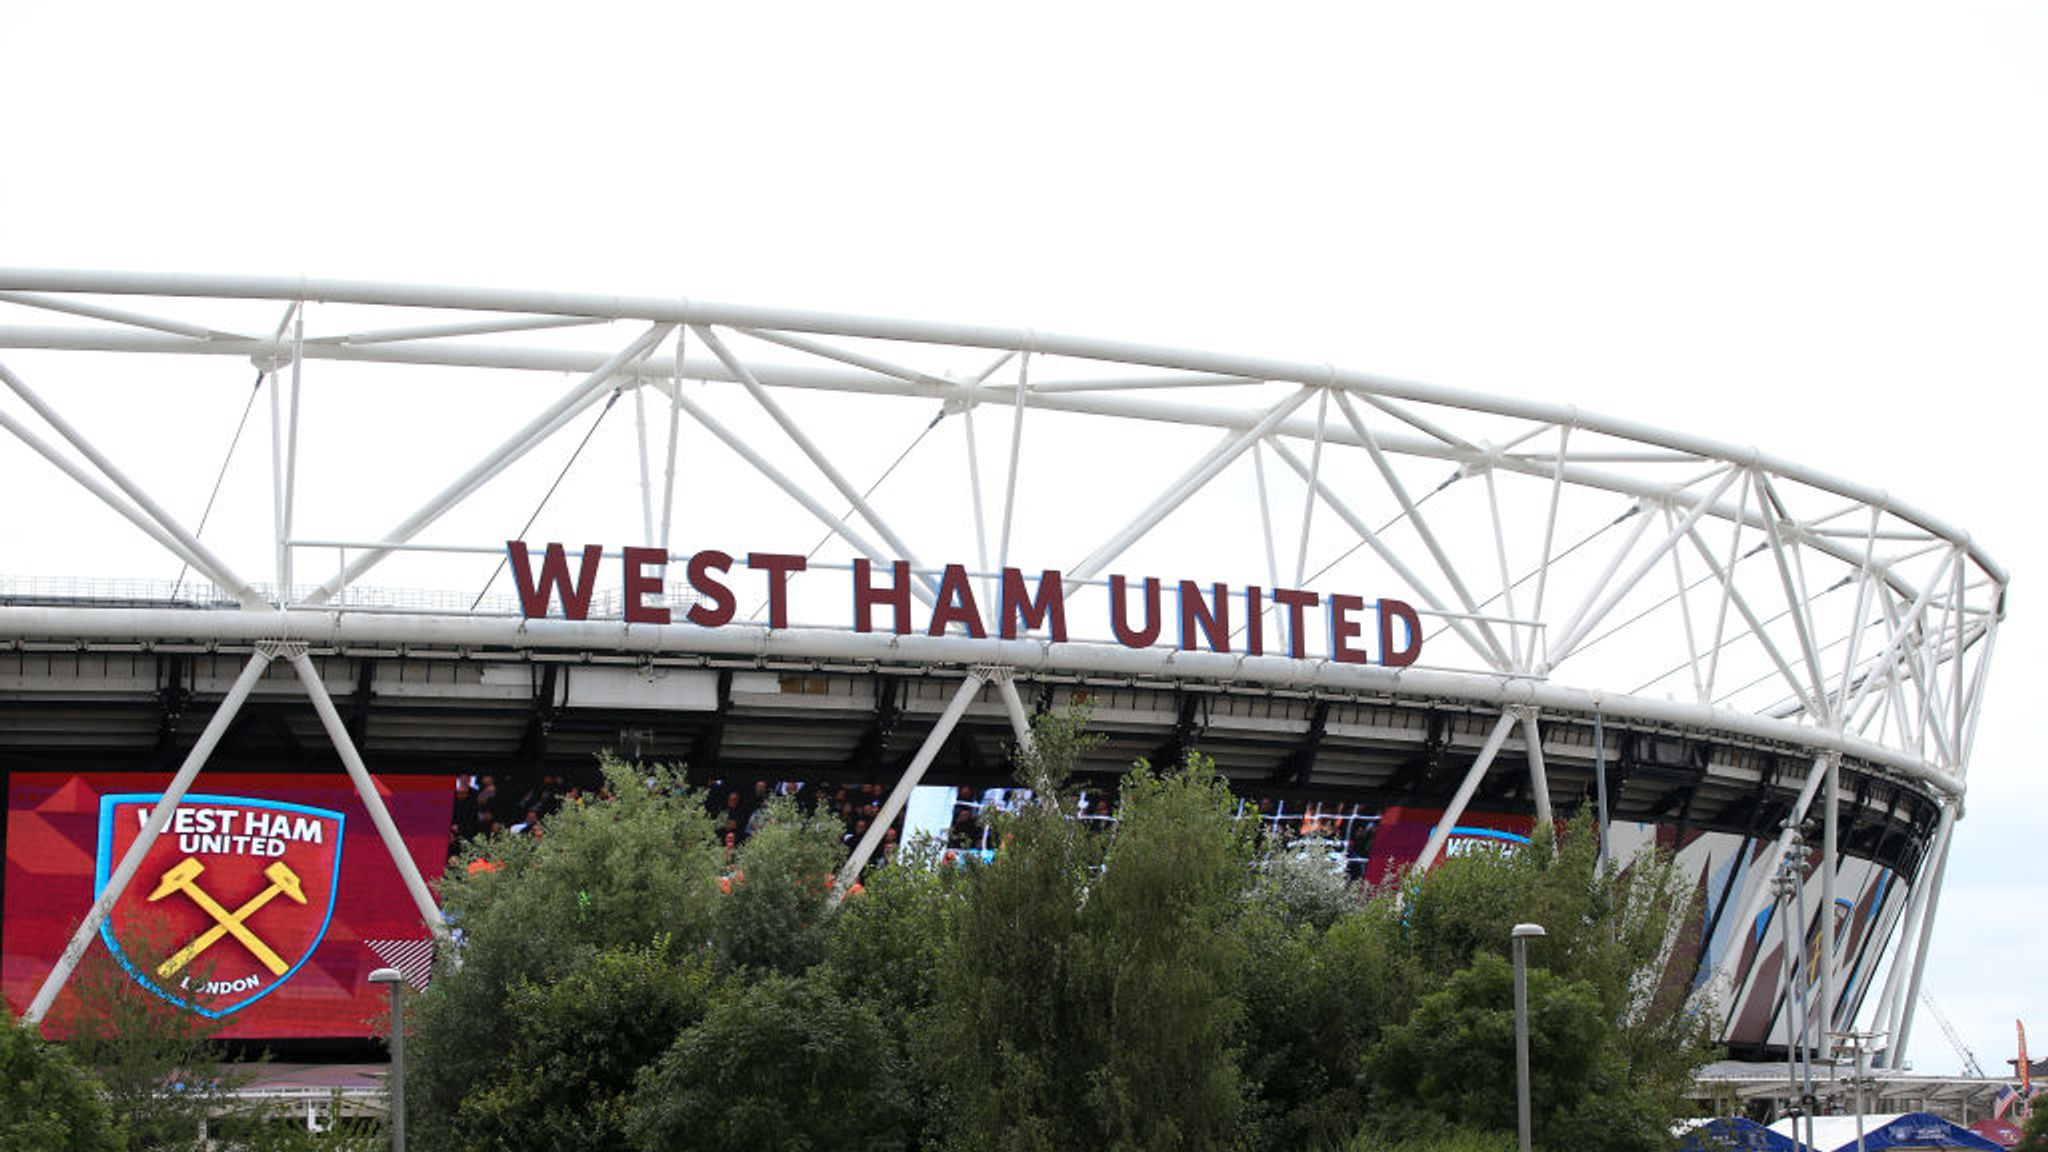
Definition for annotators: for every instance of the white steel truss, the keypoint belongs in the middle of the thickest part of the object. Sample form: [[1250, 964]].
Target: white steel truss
[[1561, 562]]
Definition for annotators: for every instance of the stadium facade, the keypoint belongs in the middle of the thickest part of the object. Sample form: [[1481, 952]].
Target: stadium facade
[[487, 532]]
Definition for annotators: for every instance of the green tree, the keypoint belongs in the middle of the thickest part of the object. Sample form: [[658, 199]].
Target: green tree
[[1080, 1006], [1453, 1063], [1015, 1018], [1168, 959], [779, 1064], [163, 1074], [1611, 927], [887, 941], [573, 1046], [2035, 1133], [884, 952], [47, 1102], [778, 914], [1316, 1000], [607, 881]]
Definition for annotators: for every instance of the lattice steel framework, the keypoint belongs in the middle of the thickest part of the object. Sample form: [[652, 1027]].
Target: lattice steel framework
[[1563, 563]]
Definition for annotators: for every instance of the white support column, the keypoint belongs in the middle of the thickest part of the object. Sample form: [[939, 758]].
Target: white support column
[[159, 819], [1831, 803], [1308, 497], [291, 463], [1758, 889], [1539, 779], [900, 795], [1484, 761], [1886, 1018], [646, 478], [1903, 1036], [394, 844], [1527, 657], [1016, 455], [675, 414], [1020, 720]]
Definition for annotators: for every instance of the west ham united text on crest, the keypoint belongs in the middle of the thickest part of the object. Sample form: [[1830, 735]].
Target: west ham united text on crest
[[230, 901]]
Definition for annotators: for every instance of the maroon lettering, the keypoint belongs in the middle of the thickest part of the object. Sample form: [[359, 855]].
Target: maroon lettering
[[1119, 618], [1295, 602], [1390, 611], [640, 584], [1255, 621], [778, 565], [1212, 617], [1020, 609], [866, 596], [956, 604], [721, 606], [534, 596], [1343, 629]]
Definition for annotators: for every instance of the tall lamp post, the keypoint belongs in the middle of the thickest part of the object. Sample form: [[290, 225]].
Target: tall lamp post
[[1521, 934], [396, 1084], [1861, 1044]]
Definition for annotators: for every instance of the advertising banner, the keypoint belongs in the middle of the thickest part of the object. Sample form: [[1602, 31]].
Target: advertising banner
[[265, 904]]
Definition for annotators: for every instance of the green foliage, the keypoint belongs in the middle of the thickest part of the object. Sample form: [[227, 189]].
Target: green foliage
[[778, 914], [780, 1065], [1453, 1062], [2034, 1136], [1315, 1000], [157, 1063], [47, 1102], [1014, 1024], [1304, 888], [1456, 1139], [1168, 963], [571, 1048], [1609, 928], [611, 886], [886, 944], [1086, 1008], [884, 952], [288, 1133], [1144, 987]]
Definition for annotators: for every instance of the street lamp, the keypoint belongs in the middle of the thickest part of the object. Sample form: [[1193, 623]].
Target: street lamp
[[1521, 934], [1861, 1044], [396, 1082]]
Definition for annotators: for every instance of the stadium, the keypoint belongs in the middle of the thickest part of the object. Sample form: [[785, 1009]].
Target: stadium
[[291, 555]]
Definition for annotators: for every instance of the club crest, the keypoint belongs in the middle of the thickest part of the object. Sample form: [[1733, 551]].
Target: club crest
[[231, 900]]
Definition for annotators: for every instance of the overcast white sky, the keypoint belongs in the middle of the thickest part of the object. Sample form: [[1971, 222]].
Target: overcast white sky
[[1818, 228]]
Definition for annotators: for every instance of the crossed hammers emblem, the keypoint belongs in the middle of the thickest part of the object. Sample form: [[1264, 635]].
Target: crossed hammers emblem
[[182, 877]]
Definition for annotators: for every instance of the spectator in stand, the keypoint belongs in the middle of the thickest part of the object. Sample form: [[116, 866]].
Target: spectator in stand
[[464, 816]]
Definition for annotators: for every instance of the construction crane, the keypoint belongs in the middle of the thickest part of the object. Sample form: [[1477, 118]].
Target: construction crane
[[1955, 1038]]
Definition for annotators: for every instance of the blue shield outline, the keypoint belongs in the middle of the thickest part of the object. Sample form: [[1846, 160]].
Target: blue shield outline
[[103, 868]]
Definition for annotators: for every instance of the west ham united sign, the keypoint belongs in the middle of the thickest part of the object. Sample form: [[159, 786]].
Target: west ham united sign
[[231, 900]]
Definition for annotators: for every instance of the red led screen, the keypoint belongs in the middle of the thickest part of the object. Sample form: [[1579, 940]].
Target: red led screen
[[267, 903]]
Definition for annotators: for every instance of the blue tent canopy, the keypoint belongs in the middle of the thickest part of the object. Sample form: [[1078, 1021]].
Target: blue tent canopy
[[1903, 1131], [1734, 1134], [1922, 1130]]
